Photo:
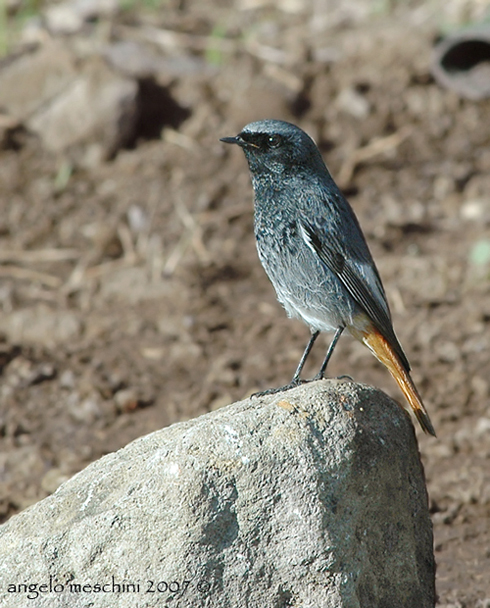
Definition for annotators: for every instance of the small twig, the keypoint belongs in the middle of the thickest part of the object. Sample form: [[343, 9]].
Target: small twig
[[83, 270], [41, 255], [172, 40], [40, 293], [266, 53], [284, 77], [106, 267], [194, 230], [172, 136], [154, 257], [374, 148], [177, 254], [169, 39], [124, 234], [15, 272], [397, 300], [143, 238], [77, 276]]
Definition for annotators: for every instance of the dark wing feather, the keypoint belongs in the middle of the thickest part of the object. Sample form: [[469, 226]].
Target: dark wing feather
[[356, 286]]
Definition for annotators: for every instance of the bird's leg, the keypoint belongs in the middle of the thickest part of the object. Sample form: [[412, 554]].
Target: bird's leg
[[330, 350], [301, 364], [296, 378]]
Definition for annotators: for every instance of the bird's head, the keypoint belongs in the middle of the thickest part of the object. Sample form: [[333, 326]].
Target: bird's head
[[277, 147]]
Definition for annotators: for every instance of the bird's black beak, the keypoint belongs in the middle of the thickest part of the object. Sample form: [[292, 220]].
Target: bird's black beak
[[232, 140], [243, 143]]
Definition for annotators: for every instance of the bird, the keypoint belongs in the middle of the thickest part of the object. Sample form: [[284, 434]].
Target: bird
[[314, 252]]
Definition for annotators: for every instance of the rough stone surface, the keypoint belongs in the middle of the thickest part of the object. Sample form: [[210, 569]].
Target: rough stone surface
[[40, 325], [313, 498], [98, 106], [34, 79], [65, 105]]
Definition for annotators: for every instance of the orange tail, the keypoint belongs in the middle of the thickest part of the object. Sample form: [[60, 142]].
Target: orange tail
[[378, 345]]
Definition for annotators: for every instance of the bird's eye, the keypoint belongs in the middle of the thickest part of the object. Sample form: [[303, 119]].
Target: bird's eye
[[274, 141]]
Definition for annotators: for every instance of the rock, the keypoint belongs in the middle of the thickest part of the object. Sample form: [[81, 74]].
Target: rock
[[139, 61], [354, 103], [67, 379], [30, 81], [313, 497], [126, 399], [63, 19], [69, 17], [85, 410], [20, 372], [99, 106], [67, 105], [40, 325]]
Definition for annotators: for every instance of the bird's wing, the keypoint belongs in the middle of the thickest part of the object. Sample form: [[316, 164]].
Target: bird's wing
[[356, 281]]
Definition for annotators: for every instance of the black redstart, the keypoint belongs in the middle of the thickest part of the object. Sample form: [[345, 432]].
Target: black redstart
[[313, 250]]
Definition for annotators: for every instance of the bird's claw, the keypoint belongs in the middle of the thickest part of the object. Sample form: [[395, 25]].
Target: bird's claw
[[272, 391]]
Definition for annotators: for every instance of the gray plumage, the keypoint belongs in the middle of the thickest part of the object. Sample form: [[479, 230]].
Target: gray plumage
[[308, 239], [313, 250]]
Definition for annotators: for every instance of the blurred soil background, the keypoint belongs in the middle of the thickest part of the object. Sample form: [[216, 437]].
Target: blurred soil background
[[131, 295]]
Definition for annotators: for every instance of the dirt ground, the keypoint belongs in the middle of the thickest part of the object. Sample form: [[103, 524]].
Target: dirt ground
[[131, 295]]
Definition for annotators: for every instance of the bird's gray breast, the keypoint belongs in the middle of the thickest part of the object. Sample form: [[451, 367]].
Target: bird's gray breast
[[306, 288]]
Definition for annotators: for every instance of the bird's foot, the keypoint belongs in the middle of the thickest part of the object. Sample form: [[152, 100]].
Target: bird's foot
[[293, 384], [272, 391], [322, 377]]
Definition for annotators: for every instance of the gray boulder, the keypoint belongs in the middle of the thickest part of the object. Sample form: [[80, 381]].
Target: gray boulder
[[69, 106], [33, 79], [98, 107], [312, 498]]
